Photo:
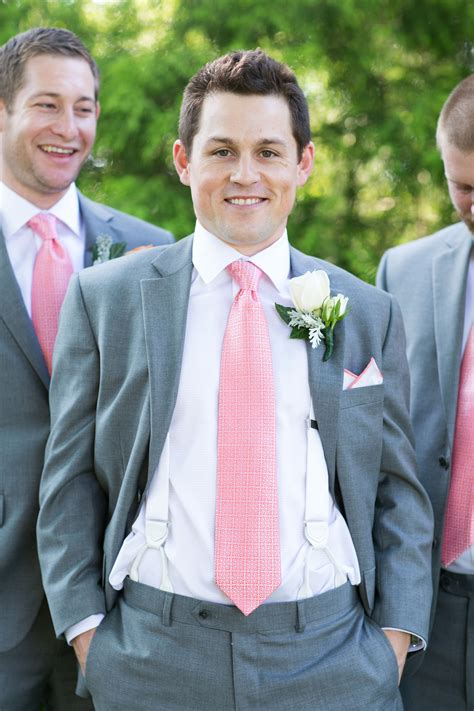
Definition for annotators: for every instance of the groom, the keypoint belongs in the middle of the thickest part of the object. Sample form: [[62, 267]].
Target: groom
[[229, 519]]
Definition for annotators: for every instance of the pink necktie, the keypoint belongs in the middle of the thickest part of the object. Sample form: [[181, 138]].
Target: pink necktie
[[51, 274], [247, 541], [459, 518]]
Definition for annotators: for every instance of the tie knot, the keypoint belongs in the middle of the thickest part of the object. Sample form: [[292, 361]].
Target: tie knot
[[44, 225], [246, 274]]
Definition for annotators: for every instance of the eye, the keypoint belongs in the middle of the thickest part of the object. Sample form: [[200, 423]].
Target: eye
[[267, 153], [45, 105], [85, 110], [222, 153]]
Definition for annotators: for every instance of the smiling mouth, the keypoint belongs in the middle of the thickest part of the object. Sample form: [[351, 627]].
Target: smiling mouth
[[245, 201], [56, 150]]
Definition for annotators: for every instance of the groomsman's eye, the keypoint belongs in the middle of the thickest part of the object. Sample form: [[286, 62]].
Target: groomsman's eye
[[223, 152], [267, 153]]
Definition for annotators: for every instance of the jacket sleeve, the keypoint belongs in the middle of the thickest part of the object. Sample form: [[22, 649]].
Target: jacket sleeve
[[73, 506]]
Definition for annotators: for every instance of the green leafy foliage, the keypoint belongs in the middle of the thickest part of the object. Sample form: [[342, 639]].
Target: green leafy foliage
[[375, 74]]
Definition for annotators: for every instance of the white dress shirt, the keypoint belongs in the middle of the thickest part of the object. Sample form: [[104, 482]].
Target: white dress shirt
[[189, 460], [21, 242]]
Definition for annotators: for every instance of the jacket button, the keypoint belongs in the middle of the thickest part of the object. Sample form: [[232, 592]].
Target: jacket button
[[443, 462], [204, 614]]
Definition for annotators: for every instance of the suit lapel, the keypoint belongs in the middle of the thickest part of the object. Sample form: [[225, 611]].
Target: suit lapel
[[165, 305], [15, 316], [97, 220], [325, 378], [450, 269]]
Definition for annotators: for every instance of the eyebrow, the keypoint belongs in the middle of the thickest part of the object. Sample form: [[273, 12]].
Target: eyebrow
[[55, 95], [261, 142]]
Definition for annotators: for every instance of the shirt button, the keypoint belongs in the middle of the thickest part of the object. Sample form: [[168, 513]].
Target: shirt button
[[204, 614]]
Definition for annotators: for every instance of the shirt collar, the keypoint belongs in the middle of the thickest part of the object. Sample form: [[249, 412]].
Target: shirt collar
[[211, 256], [15, 211]]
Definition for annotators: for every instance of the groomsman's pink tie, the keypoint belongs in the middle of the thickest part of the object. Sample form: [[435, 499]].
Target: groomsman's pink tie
[[247, 542], [51, 274], [459, 518]]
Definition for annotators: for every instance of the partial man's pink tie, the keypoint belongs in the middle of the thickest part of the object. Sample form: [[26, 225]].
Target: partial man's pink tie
[[247, 541], [459, 518], [51, 273]]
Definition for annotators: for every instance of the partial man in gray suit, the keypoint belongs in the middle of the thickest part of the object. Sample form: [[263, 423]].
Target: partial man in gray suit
[[48, 115], [433, 280], [188, 572]]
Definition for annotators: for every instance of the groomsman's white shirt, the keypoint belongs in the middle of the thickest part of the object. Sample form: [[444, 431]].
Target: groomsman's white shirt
[[21, 242]]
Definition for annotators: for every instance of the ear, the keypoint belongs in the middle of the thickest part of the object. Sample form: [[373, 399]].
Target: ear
[[305, 166], [3, 115], [181, 162]]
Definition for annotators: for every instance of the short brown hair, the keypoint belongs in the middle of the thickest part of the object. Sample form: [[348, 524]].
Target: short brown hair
[[456, 120], [244, 72], [38, 41]]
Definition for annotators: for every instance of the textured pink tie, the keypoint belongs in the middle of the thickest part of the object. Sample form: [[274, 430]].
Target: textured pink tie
[[247, 544], [51, 275], [459, 518]]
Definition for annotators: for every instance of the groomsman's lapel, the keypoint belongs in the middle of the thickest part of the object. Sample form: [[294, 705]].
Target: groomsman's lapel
[[449, 293], [165, 306], [97, 220], [325, 377], [15, 316]]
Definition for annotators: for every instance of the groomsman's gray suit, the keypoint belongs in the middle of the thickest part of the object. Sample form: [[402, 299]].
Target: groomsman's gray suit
[[107, 435], [24, 428], [428, 278]]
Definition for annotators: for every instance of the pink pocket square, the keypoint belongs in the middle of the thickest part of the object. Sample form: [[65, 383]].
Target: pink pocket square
[[371, 375]]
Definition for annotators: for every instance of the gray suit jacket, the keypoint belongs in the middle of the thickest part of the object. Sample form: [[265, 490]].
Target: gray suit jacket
[[113, 393], [428, 277], [24, 424]]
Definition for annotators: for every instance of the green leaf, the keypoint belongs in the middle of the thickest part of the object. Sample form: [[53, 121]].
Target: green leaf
[[329, 340], [117, 249], [299, 332], [284, 312]]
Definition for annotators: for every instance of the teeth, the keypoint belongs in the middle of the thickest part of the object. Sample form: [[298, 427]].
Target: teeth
[[245, 201], [55, 149]]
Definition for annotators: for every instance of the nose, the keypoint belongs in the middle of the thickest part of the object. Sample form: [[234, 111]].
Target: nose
[[245, 172], [65, 124]]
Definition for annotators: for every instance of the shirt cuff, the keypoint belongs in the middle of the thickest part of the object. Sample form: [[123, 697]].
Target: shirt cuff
[[416, 643], [89, 623]]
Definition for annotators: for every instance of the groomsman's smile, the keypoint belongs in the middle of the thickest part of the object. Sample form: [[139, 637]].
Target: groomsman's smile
[[49, 130], [244, 168]]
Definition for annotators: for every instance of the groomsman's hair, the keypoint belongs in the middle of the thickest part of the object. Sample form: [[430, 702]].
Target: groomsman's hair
[[244, 72], [456, 120], [35, 42]]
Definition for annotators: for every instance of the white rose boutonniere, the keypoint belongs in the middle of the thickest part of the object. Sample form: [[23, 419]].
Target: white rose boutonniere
[[316, 312]]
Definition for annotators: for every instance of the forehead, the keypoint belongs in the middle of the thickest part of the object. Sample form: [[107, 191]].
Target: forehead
[[245, 117], [47, 73]]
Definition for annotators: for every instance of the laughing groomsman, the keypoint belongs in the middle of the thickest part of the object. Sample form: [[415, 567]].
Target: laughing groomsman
[[49, 107]]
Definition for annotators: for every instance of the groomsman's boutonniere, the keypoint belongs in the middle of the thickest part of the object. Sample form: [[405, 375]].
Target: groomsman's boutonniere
[[316, 312], [105, 249]]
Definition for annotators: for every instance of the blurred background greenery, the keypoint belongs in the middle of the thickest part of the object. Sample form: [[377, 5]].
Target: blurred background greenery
[[376, 74]]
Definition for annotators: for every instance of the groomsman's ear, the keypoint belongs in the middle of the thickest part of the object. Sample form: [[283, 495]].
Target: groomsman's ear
[[3, 112], [181, 162], [305, 166]]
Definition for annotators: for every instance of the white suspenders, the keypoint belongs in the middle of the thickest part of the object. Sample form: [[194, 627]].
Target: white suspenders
[[316, 524]]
